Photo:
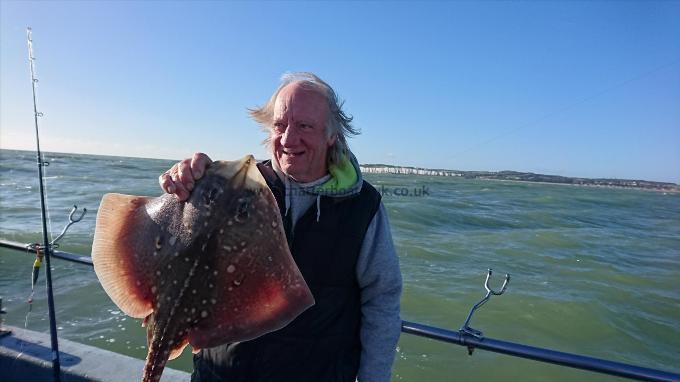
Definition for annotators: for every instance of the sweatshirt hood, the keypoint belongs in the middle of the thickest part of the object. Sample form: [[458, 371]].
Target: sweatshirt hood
[[343, 179]]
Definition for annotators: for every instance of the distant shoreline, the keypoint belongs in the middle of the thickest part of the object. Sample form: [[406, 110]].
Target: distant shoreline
[[515, 176], [674, 190], [524, 177]]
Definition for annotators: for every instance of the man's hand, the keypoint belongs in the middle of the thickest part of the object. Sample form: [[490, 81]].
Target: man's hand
[[180, 178]]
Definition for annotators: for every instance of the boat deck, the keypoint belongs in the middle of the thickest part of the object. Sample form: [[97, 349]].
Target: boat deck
[[25, 355]]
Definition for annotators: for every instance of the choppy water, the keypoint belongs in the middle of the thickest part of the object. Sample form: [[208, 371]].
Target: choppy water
[[594, 271]]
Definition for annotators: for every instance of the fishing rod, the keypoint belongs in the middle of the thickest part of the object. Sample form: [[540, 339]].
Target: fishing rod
[[46, 248], [474, 339]]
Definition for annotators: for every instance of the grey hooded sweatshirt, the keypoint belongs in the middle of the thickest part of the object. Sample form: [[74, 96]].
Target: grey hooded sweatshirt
[[377, 271]]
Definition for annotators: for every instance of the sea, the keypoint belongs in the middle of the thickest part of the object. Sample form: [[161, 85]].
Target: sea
[[594, 271]]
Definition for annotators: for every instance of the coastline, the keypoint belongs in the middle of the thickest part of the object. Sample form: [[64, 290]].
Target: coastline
[[525, 177]]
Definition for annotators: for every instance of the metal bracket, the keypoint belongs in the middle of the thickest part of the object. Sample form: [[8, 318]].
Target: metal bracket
[[71, 221], [466, 329], [54, 243]]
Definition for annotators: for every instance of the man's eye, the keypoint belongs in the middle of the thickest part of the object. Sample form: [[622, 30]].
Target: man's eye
[[279, 126], [305, 126]]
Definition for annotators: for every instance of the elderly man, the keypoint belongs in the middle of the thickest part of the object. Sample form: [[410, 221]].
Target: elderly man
[[339, 236]]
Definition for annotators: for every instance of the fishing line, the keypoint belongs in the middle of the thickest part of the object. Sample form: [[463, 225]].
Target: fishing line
[[567, 107]]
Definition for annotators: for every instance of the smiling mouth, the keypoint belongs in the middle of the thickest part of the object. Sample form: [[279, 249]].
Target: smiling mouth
[[293, 153]]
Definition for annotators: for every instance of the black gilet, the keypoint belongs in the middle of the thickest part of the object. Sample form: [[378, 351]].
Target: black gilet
[[321, 344]]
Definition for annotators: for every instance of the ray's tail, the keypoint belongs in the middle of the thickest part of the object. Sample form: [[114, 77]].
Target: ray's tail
[[157, 357]]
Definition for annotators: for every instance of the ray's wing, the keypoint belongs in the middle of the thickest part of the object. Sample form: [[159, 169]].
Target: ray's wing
[[116, 248], [260, 288]]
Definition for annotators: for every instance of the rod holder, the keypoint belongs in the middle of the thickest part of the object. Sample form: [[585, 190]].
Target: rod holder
[[466, 329], [71, 221]]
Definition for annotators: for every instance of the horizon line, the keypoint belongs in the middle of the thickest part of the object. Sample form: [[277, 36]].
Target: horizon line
[[363, 164]]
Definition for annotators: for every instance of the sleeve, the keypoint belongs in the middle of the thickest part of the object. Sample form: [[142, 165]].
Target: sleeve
[[380, 281]]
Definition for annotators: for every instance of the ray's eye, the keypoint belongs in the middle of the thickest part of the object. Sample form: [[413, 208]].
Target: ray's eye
[[210, 196], [242, 212]]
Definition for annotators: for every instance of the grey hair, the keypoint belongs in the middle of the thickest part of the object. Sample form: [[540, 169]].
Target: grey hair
[[339, 123]]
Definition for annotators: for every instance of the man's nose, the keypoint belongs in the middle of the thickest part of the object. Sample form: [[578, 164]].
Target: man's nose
[[290, 136]]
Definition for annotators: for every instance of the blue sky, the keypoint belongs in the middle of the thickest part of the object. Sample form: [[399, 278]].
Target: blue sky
[[571, 88]]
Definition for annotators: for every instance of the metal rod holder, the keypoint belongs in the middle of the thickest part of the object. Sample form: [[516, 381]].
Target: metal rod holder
[[466, 326], [71, 221]]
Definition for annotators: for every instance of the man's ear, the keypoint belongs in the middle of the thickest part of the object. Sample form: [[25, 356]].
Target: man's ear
[[332, 139]]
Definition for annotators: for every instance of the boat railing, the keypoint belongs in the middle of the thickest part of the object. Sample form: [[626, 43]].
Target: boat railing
[[468, 337]]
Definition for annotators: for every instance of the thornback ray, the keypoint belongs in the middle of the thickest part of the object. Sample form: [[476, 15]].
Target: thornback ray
[[212, 270]]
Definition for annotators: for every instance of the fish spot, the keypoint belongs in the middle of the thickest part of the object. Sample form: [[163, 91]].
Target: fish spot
[[188, 319], [221, 230], [229, 222], [243, 244], [237, 282], [172, 240], [174, 282], [274, 224], [158, 273], [153, 289], [155, 253], [230, 289], [215, 273], [204, 314], [204, 302], [270, 258], [186, 259], [168, 298], [204, 245], [193, 310], [158, 242], [169, 266], [193, 291], [175, 254], [211, 286], [205, 224], [206, 267], [138, 283], [226, 248], [231, 268], [213, 301], [171, 342]]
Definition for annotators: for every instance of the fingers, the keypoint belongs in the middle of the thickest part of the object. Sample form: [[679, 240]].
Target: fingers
[[181, 190], [199, 162], [184, 174], [170, 183], [180, 178], [166, 183]]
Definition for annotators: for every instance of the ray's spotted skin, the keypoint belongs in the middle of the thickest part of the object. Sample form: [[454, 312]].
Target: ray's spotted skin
[[204, 272]]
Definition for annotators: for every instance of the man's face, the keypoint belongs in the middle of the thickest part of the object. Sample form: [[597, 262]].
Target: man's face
[[299, 139]]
